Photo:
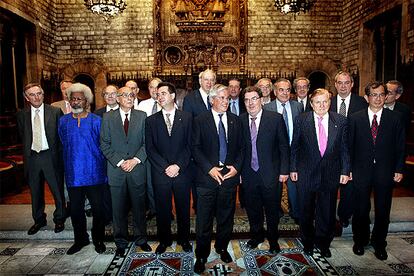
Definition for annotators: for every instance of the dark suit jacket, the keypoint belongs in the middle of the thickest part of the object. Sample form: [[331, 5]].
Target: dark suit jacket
[[308, 106], [164, 150], [101, 111], [295, 106], [242, 106], [272, 147], [388, 151], [194, 104], [205, 148], [405, 112], [116, 145], [356, 103], [51, 121], [315, 172]]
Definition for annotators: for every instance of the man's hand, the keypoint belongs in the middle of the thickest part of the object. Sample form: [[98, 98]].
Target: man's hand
[[398, 177], [350, 176], [283, 177], [216, 175], [129, 165], [232, 172], [172, 170], [343, 179], [294, 176]]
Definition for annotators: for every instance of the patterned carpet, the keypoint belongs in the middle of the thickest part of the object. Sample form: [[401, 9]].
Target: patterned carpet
[[290, 261]]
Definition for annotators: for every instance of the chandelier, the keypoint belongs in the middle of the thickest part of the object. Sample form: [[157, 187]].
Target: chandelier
[[294, 6], [106, 8], [200, 15]]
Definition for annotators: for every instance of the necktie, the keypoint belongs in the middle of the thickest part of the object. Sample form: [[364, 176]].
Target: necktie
[[168, 123], [37, 132], [254, 164], [322, 137], [285, 118], [208, 104], [303, 104], [154, 108], [342, 108], [126, 124], [233, 108], [374, 128], [68, 108], [222, 140]]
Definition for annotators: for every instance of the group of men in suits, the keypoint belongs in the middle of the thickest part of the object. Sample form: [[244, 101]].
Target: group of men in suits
[[221, 136]]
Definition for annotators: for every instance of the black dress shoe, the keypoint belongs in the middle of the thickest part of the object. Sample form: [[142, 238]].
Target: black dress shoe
[[253, 243], [358, 250], [76, 247], [35, 228], [186, 246], [145, 247], [120, 252], [308, 251], [88, 213], [100, 247], [225, 256], [200, 265], [274, 248], [325, 252], [161, 248], [59, 227], [381, 254]]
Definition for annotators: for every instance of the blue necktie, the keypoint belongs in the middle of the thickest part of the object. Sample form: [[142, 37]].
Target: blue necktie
[[222, 140]]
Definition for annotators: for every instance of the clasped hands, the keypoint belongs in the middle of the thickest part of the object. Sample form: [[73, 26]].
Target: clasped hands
[[215, 173], [129, 165]]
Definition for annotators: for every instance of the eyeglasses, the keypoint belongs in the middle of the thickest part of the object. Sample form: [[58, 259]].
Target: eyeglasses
[[130, 95], [376, 96], [343, 83], [301, 87], [74, 99], [32, 95], [253, 100], [110, 95]]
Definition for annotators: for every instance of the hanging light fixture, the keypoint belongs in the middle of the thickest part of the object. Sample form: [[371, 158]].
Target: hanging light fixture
[[106, 8], [294, 6]]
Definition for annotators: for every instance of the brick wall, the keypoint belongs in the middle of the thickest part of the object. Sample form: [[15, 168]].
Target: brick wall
[[281, 42]]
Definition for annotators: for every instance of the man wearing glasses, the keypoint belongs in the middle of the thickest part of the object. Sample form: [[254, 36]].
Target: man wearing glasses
[[395, 90], [109, 95], [346, 103], [266, 163], [377, 159], [123, 144]]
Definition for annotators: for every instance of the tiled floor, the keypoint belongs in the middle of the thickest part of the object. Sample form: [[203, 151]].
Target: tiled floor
[[47, 257]]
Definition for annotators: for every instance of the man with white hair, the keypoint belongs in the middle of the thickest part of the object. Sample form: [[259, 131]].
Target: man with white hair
[[85, 167]]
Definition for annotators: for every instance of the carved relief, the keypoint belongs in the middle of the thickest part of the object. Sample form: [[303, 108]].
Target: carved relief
[[187, 38]]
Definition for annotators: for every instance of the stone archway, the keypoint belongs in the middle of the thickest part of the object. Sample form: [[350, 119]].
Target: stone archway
[[321, 65], [94, 69]]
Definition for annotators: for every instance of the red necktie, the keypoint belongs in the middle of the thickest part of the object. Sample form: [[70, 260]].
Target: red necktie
[[126, 124], [374, 128]]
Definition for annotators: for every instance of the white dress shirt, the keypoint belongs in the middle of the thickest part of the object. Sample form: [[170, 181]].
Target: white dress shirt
[[217, 121], [147, 106], [204, 96]]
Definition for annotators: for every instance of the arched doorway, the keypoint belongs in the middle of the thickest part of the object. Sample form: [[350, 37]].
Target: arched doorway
[[86, 80], [318, 79]]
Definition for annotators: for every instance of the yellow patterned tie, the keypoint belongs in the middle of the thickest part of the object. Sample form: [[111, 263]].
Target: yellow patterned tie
[[37, 132]]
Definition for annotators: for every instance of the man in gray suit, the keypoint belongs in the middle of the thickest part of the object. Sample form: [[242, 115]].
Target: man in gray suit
[[289, 110], [123, 144]]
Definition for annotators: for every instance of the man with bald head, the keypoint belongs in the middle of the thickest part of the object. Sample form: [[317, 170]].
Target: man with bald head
[[123, 144], [109, 95]]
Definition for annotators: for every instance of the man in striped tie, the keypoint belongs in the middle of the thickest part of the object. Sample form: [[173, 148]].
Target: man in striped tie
[[377, 142]]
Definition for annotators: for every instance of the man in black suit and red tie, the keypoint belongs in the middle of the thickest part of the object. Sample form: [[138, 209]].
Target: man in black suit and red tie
[[377, 142], [266, 163], [217, 148], [168, 141], [319, 164], [346, 103]]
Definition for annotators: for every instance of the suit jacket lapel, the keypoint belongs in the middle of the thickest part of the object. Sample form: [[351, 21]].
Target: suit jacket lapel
[[199, 98], [120, 124], [332, 132], [28, 125], [176, 123], [311, 132]]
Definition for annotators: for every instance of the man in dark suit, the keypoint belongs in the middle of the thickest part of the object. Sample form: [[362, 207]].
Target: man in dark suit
[[346, 103], [377, 154], [123, 144], [217, 148], [38, 129], [168, 142], [197, 101], [319, 163], [266, 163], [395, 90], [301, 86], [109, 95], [236, 105], [290, 110]]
